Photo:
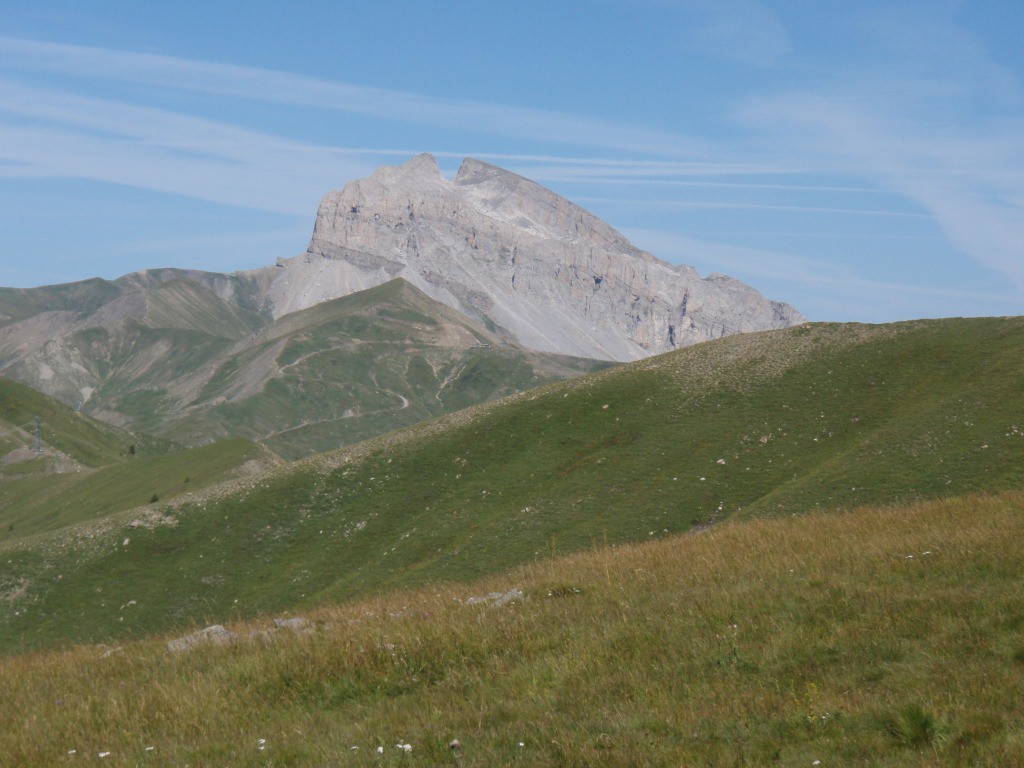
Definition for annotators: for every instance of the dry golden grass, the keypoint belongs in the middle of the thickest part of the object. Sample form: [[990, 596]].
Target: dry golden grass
[[887, 636]]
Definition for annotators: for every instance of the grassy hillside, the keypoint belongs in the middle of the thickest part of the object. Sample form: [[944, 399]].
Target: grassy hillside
[[767, 424], [84, 296], [359, 366], [36, 504], [79, 438], [195, 357], [883, 637], [88, 469]]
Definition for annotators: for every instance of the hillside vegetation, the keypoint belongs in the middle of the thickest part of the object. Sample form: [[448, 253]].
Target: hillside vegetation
[[78, 439], [888, 636], [33, 505], [86, 469], [353, 368], [769, 424]]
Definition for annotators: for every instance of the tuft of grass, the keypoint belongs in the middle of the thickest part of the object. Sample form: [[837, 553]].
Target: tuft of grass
[[912, 726]]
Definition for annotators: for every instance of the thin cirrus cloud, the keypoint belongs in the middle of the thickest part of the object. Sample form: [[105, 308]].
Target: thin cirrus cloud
[[47, 133], [741, 30], [110, 140], [280, 87], [741, 205], [929, 115], [968, 182]]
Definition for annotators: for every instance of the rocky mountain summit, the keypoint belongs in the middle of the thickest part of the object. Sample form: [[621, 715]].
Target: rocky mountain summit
[[516, 257]]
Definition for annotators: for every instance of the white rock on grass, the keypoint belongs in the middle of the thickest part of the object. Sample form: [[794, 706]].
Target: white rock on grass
[[215, 635], [497, 599]]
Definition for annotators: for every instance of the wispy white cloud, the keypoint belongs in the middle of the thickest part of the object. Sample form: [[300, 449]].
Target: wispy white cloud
[[270, 86], [948, 138], [953, 176], [46, 133], [747, 31], [741, 205]]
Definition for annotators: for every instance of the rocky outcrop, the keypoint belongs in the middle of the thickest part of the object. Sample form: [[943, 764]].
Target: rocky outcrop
[[518, 258], [214, 635]]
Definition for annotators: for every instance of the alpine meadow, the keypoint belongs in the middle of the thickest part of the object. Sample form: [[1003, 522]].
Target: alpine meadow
[[785, 546]]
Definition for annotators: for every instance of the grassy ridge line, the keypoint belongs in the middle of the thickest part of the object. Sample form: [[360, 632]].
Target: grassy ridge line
[[882, 636], [767, 424]]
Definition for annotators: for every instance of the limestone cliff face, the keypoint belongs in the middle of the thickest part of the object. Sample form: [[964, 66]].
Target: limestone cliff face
[[516, 256]]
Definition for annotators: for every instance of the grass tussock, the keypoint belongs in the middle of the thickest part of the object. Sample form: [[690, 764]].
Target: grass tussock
[[878, 637]]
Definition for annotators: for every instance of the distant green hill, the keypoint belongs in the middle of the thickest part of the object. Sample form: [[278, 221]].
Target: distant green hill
[[81, 439], [355, 367], [35, 504], [778, 423], [87, 469], [193, 358]]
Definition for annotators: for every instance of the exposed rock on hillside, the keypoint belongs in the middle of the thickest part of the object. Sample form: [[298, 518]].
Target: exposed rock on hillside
[[517, 257]]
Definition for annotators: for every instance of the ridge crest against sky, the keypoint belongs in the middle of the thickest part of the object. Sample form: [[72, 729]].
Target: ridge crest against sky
[[864, 163]]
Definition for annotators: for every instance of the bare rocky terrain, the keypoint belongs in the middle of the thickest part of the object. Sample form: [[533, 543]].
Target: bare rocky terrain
[[518, 258]]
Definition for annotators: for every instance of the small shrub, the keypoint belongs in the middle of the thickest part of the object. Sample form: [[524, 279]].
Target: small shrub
[[154, 499]]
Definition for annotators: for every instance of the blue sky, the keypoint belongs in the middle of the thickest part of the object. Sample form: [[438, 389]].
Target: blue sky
[[860, 160]]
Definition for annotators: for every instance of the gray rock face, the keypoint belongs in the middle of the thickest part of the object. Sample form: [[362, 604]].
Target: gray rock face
[[515, 256]]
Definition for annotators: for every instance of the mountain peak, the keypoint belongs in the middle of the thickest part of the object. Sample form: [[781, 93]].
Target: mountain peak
[[422, 163], [473, 171], [517, 257], [420, 170]]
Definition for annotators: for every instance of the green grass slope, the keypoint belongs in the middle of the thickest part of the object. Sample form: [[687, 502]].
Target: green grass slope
[[359, 366], [195, 357], [770, 424], [88, 469], [187, 304], [883, 637], [37, 504], [81, 297], [81, 439]]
